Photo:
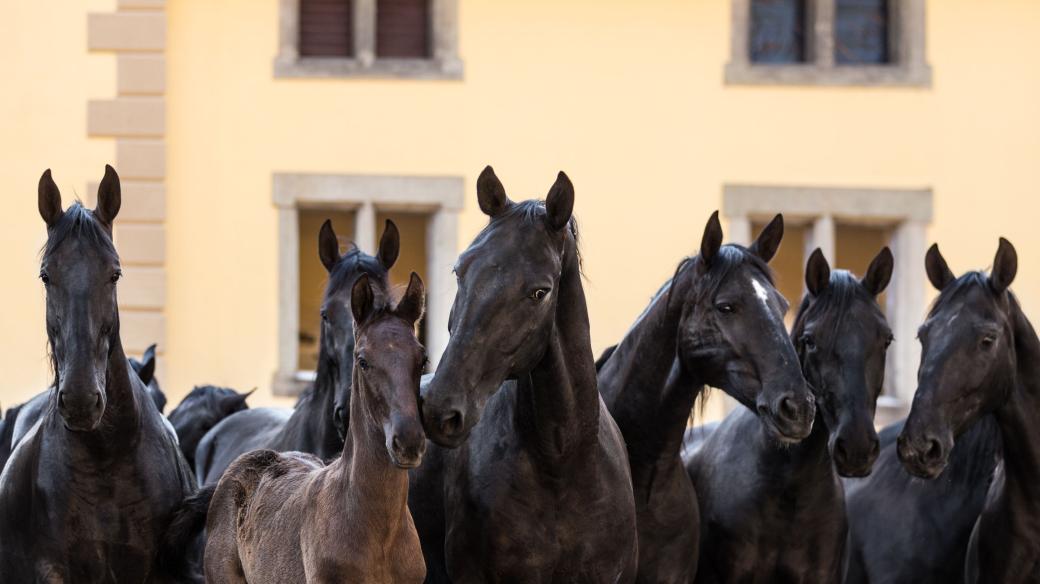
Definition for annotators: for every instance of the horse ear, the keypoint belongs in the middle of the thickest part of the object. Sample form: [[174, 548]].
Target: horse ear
[[49, 199], [328, 246], [769, 240], [147, 371], [490, 193], [817, 273], [234, 402], [362, 300], [109, 197], [1005, 266], [389, 245], [939, 273], [559, 203], [879, 274], [711, 241], [413, 302]]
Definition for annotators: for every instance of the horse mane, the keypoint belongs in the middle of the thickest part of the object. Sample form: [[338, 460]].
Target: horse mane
[[78, 222], [842, 293], [532, 212]]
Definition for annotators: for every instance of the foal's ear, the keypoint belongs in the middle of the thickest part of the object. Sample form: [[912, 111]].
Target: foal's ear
[[109, 197], [817, 273], [147, 371], [559, 203], [362, 300], [1005, 266], [490, 193], [769, 240], [879, 273], [49, 199], [939, 273], [711, 241], [413, 302], [328, 246], [389, 245]]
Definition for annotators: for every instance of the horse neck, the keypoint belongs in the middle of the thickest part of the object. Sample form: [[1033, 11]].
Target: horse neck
[[805, 465], [375, 485], [1017, 417], [648, 393], [558, 402], [310, 427]]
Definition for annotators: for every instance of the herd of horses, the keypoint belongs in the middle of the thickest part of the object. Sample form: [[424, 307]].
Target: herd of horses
[[522, 458]]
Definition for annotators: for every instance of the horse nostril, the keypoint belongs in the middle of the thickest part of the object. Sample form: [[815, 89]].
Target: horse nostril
[[61, 399], [934, 451], [97, 399], [875, 448], [396, 444], [788, 408], [451, 423], [840, 454]]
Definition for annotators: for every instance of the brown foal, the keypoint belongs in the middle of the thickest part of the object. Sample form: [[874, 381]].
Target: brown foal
[[286, 517]]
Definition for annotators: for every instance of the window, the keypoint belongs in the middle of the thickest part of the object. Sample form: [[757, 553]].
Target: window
[[425, 210], [777, 31], [850, 226], [368, 38], [828, 42]]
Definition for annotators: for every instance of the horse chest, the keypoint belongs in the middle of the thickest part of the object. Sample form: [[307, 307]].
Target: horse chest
[[534, 528]]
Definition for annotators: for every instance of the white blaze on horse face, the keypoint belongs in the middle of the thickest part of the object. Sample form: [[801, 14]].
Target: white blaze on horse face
[[762, 294]]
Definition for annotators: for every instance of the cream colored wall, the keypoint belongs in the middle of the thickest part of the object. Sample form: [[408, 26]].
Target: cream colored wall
[[626, 96], [47, 77]]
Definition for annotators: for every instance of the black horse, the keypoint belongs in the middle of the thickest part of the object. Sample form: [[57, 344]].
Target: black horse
[[980, 355], [23, 417], [318, 423], [707, 325], [86, 496], [200, 410], [776, 513], [145, 368], [541, 490], [904, 529]]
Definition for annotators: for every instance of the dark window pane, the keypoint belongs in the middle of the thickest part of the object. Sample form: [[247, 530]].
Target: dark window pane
[[777, 31], [861, 32], [326, 28], [402, 28]]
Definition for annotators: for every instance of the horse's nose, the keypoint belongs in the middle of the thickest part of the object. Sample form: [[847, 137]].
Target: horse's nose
[[450, 423], [80, 409], [932, 453], [339, 417]]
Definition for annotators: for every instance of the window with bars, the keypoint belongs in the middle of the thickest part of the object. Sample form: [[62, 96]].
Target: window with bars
[[368, 38], [828, 42]]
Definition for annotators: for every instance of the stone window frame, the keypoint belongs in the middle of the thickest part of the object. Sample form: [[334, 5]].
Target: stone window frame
[[908, 212], [441, 197], [909, 67], [443, 63]]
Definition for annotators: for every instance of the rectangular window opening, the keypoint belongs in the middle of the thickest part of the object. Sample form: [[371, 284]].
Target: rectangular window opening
[[403, 29], [778, 31], [861, 32]]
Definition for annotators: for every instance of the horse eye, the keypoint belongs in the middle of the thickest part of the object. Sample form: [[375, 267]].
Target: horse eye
[[725, 308], [324, 316], [362, 363], [45, 278], [539, 294], [988, 340], [116, 275], [809, 342], [888, 341]]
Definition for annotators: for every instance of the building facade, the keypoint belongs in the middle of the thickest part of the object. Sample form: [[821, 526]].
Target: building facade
[[238, 126]]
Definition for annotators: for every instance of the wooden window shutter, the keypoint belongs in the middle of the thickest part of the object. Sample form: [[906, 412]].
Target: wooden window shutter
[[326, 28], [403, 28]]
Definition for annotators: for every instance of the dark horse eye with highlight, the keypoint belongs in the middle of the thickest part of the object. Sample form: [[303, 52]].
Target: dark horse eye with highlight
[[809, 342], [362, 363], [539, 294], [116, 276], [45, 278], [988, 341], [724, 308]]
